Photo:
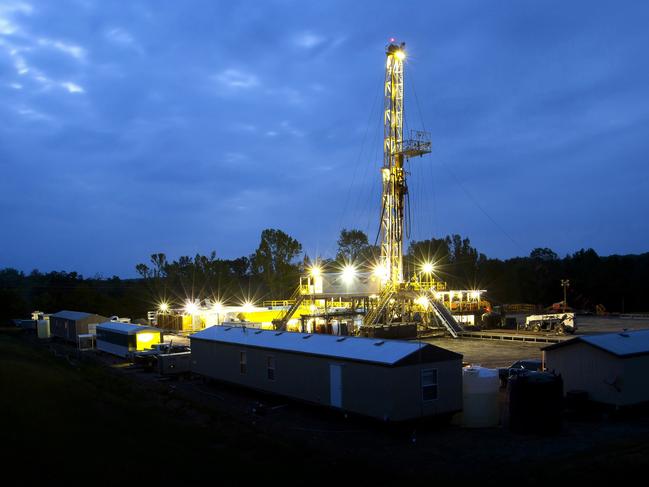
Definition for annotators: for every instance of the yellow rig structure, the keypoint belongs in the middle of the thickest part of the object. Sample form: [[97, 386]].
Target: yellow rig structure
[[369, 299]]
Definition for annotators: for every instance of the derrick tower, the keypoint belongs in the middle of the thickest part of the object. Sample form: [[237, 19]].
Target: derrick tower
[[395, 150]]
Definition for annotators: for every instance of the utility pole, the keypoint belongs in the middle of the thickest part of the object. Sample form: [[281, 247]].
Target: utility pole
[[565, 283]]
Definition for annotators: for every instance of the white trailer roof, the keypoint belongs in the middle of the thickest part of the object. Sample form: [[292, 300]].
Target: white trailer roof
[[622, 344], [72, 315], [386, 352], [126, 328]]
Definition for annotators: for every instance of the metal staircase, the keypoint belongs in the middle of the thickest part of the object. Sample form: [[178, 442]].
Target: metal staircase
[[384, 298], [444, 316], [296, 299]]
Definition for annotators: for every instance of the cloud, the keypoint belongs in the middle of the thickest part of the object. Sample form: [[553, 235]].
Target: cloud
[[285, 128], [20, 64], [32, 114], [9, 7], [41, 78], [122, 38], [236, 79], [119, 36], [7, 10], [77, 52], [308, 40], [23, 69], [72, 87], [21, 48], [290, 129], [7, 27]]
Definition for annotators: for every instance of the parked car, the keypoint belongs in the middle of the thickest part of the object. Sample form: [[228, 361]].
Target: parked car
[[519, 367]]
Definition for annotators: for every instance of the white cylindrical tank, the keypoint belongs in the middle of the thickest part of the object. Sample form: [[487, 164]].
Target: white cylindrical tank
[[43, 328], [480, 389]]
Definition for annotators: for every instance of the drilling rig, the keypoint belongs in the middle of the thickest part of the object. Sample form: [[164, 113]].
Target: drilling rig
[[401, 304], [383, 302], [369, 298]]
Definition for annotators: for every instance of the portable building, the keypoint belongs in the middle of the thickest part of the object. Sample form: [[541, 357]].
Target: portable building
[[391, 380], [123, 338], [70, 324], [613, 368]]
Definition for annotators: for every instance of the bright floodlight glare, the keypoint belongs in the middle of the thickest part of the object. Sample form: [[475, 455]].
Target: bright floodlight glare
[[380, 271], [349, 272], [248, 306], [191, 307], [422, 301], [427, 268], [217, 307], [315, 271], [163, 307], [401, 55]]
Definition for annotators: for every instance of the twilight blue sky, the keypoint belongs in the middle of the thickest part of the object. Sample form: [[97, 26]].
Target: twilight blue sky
[[133, 127]]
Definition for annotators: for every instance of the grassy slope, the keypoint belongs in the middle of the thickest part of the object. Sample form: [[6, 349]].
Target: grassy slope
[[59, 420]]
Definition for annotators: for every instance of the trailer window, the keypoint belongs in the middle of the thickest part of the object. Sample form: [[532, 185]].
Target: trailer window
[[243, 362], [270, 367], [429, 384]]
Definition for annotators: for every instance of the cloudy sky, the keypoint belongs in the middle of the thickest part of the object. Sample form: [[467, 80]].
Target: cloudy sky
[[133, 127]]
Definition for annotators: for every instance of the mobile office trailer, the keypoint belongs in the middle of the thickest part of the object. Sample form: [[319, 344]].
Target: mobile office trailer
[[613, 368], [70, 324], [391, 380], [122, 339]]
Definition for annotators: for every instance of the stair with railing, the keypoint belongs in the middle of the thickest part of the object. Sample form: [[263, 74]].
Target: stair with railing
[[445, 317], [296, 299], [384, 298]]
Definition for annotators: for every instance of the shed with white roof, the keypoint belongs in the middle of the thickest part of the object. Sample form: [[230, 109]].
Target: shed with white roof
[[612, 367], [122, 339], [392, 380]]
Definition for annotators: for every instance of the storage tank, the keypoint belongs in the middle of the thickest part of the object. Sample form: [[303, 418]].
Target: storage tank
[[480, 389], [43, 329], [535, 403]]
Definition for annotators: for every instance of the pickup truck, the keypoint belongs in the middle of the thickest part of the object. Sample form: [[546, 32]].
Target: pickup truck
[[149, 358], [519, 367]]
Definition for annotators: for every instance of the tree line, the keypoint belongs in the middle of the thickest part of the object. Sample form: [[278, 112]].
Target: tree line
[[272, 272]]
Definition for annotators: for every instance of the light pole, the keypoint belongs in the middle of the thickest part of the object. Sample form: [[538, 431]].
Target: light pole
[[565, 283]]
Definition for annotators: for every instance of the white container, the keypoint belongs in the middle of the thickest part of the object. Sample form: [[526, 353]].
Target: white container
[[480, 390], [43, 329]]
